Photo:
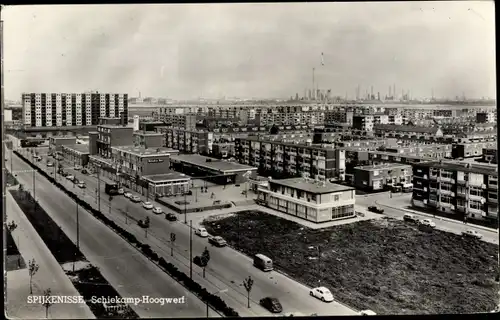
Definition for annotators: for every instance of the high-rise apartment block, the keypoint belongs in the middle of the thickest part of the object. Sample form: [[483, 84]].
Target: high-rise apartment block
[[71, 109]]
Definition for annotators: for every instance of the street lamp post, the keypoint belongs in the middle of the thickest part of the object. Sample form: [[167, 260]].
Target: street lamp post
[[191, 249], [98, 188]]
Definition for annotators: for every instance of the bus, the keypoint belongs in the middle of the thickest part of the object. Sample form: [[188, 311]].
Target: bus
[[110, 187], [262, 262]]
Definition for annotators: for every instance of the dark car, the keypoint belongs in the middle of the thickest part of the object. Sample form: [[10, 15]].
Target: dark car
[[170, 216], [197, 261], [64, 174], [271, 304], [375, 209], [84, 171]]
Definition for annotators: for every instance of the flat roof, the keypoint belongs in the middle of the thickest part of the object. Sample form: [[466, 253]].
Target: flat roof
[[465, 167], [79, 148], [311, 185], [113, 126], [169, 176], [62, 137], [214, 164], [383, 166], [145, 152], [148, 133]]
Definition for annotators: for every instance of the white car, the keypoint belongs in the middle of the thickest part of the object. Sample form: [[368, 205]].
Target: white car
[[127, 195], [322, 293], [157, 210], [78, 167], [121, 191], [367, 313], [472, 234], [147, 205], [428, 222], [50, 164], [70, 177], [202, 232], [135, 198]]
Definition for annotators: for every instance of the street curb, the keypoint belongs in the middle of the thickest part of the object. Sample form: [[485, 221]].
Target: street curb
[[432, 216]]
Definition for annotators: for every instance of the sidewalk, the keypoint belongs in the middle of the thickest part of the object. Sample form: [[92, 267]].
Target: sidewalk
[[379, 202], [50, 275]]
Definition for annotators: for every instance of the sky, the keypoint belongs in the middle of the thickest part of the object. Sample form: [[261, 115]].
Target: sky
[[183, 51]]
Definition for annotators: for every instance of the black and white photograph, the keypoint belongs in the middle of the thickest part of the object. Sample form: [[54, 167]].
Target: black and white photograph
[[208, 160]]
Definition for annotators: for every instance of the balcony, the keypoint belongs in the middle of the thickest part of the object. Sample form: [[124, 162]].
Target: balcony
[[461, 182], [433, 177], [446, 179], [447, 193], [477, 198], [493, 186], [461, 208], [491, 200]]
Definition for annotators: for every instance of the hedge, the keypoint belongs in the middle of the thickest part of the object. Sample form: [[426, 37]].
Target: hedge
[[213, 300]]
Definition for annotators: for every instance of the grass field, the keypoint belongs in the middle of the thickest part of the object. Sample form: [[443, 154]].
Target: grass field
[[385, 265]]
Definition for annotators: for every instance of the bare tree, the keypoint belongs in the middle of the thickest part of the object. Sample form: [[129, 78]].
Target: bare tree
[[172, 241], [248, 284], [146, 225], [110, 199], [11, 226], [205, 258], [46, 301], [32, 269]]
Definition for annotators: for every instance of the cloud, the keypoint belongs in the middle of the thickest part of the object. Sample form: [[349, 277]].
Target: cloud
[[251, 49]]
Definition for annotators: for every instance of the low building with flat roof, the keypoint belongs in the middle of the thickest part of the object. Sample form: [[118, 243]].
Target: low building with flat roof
[[78, 154], [382, 176], [312, 200], [216, 170], [167, 184], [56, 143]]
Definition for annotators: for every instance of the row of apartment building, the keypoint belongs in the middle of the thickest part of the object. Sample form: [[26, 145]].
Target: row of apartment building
[[72, 109], [461, 189]]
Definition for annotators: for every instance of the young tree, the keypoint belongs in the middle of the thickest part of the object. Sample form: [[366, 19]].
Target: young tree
[[110, 199], [205, 258], [32, 269], [172, 241], [146, 225], [47, 303], [248, 283]]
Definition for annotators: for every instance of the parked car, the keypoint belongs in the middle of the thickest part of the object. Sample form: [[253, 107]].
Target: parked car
[[410, 217], [375, 209], [202, 232], [127, 195], [472, 234], [135, 199], [121, 191], [84, 171], [64, 173], [367, 313], [78, 167], [157, 210], [322, 294], [271, 304], [81, 184], [428, 222], [70, 177], [170, 217], [50, 164], [147, 205], [217, 241]]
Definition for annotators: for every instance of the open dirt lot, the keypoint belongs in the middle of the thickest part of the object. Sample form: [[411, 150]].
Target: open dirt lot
[[387, 266]]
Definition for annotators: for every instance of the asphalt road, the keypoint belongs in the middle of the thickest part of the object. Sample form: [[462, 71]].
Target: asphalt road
[[128, 270], [401, 201], [227, 267]]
